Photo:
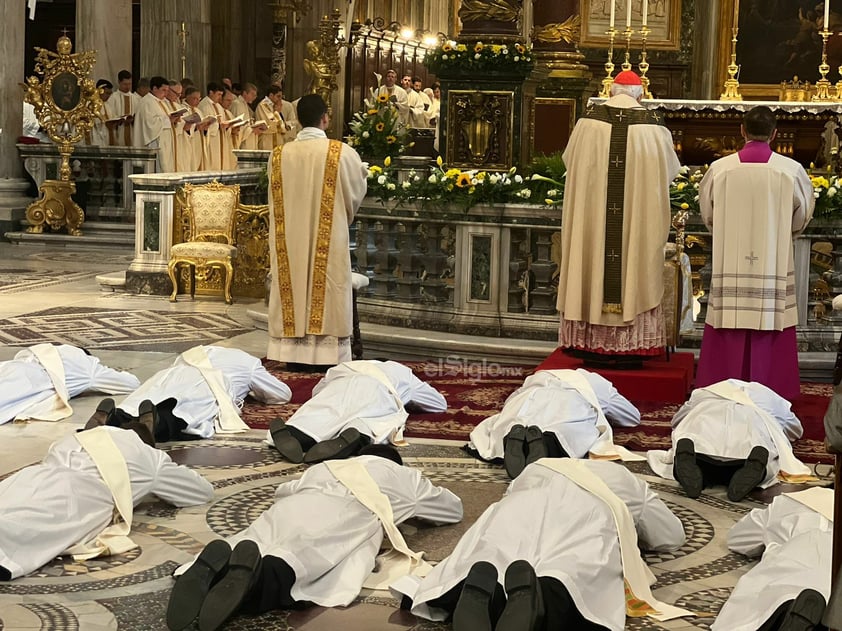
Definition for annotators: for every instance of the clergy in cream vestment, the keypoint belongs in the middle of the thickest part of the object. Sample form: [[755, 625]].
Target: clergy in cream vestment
[[196, 402], [214, 136], [28, 386], [47, 508], [153, 125], [241, 106], [566, 533], [794, 535], [316, 186], [754, 202], [195, 133], [124, 103], [551, 400], [620, 163]]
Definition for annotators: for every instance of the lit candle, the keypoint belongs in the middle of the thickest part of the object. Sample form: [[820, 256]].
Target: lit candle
[[628, 14], [613, 6], [826, 14], [645, 11]]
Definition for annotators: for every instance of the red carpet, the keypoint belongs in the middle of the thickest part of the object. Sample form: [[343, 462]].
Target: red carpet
[[475, 391]]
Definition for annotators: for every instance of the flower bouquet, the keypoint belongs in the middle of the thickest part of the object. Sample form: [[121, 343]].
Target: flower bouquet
[[477, 58], [377, 131]]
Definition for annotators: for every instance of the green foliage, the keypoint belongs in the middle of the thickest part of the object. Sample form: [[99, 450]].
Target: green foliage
[[684, 190], [477, 58], [376, 131]]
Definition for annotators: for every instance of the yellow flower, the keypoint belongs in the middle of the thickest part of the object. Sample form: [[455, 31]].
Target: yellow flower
[[438, 161], [461, 48], [680, 186], [452, 173], [446, 48], [548, 201], [390, 139], [496, 48], [685, 206], [478, 47], [819, 182], [380, 127], [383, 98], [481, 176], [519, 48], [374, 169], [388, 161], [463, 180], [372, 111]]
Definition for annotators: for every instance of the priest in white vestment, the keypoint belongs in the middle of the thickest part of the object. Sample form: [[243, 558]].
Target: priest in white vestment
[[194, 134], [561, 403], [416, 116], [310, 296], [365, 395], [154, 124], [754, 202], [188, 405], [791, 583], [29, 380], [724, 424], [616, 218], [47, 508], [121, 109], [566, 533], [395, 94], [241, 106], [281, 119], [183, 155], [214, 135], [230, 133], [318, 541]]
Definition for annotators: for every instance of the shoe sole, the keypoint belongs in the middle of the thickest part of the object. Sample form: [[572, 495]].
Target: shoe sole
[[285, 443], [104, 412], [524, 602], [472, 611], [686, 470], [337, 448], [749, 476], [227, 595], [535, 446], [190, 588], [147, 414], [805, 612], [514, 458]]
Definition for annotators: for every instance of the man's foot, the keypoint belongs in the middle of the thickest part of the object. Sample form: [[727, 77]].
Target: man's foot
[[685, 470], [524, 602], [103, 414], [474, 609], [750, 475], [345, 445], [147, 415], [514, 451], [190, 588], [285, 442], [536, 448], [228, 594], [805, 612]]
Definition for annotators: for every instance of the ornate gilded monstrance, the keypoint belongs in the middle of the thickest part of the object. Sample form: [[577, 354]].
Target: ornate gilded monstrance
[[66, 102]]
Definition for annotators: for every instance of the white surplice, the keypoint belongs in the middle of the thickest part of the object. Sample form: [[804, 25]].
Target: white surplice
[[153, 130], [329, 538], [727, 430], [796, 543], [48, 507], [346, 398], [546, 400], [25, 383], [580, 549], [196, 404], [122, 104], [214, 136]]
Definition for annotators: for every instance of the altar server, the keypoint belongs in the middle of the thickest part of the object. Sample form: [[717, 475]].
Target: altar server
[[202, 391], [789, 587], [65, 504], [318, 541], [733, 432], [355, 399], [573, 406], [40, 380], [554, 537]]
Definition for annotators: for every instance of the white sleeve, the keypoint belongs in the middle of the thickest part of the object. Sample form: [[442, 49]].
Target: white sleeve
[[658, 528], [426, 397], [179, 485], [353, 180], [267, 388], [746, 536], [110, 381], [706, 198], [618, 409], [434, 503], [778, 407], [803, 202]]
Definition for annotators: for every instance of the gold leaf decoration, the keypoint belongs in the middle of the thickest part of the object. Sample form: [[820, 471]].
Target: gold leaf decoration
[[567, 31]]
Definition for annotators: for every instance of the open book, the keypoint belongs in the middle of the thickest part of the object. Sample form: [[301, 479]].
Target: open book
[[193, 119], [260, 124], [119, 119], [179, 112]]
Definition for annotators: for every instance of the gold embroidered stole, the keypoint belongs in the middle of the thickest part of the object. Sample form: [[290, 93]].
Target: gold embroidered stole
[[127, 110]]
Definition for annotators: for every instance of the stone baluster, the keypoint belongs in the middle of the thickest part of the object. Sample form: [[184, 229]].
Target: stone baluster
[[434, 286], [542, 298], [409, 261], [384, 260], [518, 273]]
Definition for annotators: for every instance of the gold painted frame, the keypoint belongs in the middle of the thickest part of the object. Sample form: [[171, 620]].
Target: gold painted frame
[[665, 31], [507, 117]]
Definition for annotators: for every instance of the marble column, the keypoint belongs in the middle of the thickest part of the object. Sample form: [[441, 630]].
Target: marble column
[[13, 187], [106, 27], [160, 45]]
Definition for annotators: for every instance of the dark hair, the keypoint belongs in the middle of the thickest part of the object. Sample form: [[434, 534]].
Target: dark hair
[[759, 122], [186, 82], [123, 75], [158, 82], [214, 87], [104, 83], [236, 86], [143, 81], [190, 90], [311, 108], [383, 451], [275, 89], [416, 80], [435, 85]]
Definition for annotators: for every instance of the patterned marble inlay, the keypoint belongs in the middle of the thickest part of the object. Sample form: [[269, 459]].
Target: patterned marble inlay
[[234, 513], [17, 280], [698, 531], [151, 226], [137, 578], [54, 617], [66, 566]]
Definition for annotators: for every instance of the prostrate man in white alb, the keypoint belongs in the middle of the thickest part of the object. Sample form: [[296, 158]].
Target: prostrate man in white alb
[[40, 380], [155, 120], [66, 504], [555, 538], [788, 589], [201, 394], [733, 432], [555, 413], [357, 402], [318, 543]]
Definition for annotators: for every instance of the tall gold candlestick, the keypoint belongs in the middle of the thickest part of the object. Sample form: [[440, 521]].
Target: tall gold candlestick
[[732, 86], [823, 84], [643, 66], [608, 80], [626, 65]]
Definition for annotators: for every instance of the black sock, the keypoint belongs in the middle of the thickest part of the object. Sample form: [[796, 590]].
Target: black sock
[[272, 589], [5, 575]]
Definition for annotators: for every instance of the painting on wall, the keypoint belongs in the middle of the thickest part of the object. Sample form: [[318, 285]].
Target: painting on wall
[[663, 18]]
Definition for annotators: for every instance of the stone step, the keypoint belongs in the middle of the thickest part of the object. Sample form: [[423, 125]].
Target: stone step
[[96, 234], [112, 282]]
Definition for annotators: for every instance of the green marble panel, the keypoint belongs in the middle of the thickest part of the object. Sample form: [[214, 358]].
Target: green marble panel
[[480, 267], [151, 226]]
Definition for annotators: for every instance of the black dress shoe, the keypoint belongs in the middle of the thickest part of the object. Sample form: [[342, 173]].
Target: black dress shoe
[[225, 598], [749, 475], [474, 608], [147, 414], [524, 601], [285, 442], [514, 451], [103, 415], [685, 470], [345, 445], [536, 448], [190, 588], [805, 612]]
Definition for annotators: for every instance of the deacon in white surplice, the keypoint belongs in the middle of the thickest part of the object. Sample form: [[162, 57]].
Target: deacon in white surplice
[[364, 398], [579, 561], [318, 541], [40, 380], [791, 583], [154, 122], [49, 508], [202, 392], [575, 406], [734, 432]]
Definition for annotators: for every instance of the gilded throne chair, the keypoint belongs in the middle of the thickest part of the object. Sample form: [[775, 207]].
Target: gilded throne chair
[[209, 211]]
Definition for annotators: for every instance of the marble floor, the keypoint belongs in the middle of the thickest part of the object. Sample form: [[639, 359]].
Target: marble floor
[[52, 295]]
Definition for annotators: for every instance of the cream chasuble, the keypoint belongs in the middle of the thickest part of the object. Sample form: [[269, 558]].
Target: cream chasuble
[[214, 136], [274, 136], [122, 104], [247, 139], [153, 130], [230, 141], [195, 144]]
